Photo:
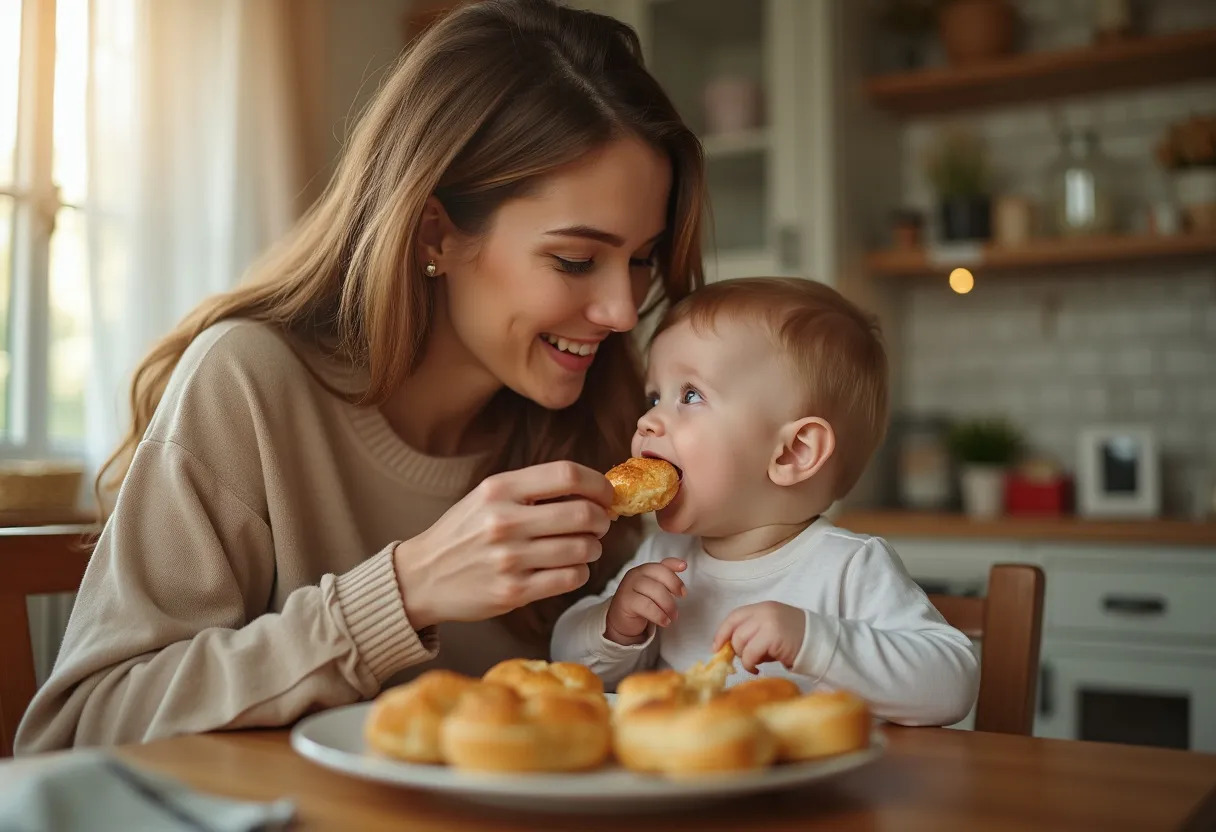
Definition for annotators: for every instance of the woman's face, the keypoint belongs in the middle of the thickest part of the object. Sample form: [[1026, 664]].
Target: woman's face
[[558, 271]]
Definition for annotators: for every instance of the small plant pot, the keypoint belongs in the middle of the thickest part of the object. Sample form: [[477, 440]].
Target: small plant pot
[[966, 218], [983, 491], [975, 31]]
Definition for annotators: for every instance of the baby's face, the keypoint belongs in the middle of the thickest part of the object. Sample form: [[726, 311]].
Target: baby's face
[[717, 401]]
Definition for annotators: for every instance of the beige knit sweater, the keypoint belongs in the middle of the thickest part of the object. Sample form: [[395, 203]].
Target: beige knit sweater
[[245, 577]]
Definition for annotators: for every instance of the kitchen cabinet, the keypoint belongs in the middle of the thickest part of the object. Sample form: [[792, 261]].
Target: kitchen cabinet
[[772, 182], [1129, 637]]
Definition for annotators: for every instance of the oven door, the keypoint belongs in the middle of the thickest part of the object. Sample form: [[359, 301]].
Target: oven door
[[1141, 696]]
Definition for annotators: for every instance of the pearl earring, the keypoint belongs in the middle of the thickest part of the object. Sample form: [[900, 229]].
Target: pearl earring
[[431, 269]]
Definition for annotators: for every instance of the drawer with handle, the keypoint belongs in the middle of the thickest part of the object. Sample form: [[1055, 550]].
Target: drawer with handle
[[1161, 602]]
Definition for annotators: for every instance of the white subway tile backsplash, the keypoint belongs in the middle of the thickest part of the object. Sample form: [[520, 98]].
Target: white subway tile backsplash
[[1148, 400], [1083, 362], [1131, 361], [1055, 398], [1167, 320], [1058, 351], [1187, 362], [1206, 401], [1092, 401]]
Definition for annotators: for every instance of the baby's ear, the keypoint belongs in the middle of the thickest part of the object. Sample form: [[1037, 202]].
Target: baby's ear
[[804, 448]]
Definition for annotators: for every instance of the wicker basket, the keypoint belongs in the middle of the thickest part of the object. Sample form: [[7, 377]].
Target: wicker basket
[[34, 485]]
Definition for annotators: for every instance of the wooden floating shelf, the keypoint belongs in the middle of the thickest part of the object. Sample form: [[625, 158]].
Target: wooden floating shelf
[[1075, 529], [1137, 62], [1044, 253]]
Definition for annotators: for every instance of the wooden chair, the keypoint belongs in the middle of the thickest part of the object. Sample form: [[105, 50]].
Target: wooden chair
[[33, 561], [1009, 623]]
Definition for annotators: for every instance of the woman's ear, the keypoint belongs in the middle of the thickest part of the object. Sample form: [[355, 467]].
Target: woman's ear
[[805, 447], [436, 236]]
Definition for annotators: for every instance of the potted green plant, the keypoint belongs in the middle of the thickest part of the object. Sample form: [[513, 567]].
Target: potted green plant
[[957, 165], [1188, 151], [984, 450]]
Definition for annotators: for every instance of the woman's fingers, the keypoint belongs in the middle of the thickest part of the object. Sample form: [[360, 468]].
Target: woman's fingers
[[549, 481], [576, 516], [550, 553], [545, 583]]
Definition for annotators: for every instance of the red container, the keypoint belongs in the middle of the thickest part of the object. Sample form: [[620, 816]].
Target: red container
[[1024, 495]]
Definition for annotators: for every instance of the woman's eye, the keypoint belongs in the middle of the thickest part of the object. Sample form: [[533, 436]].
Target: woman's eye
[[690, 396], [643, 262], [574, 266]]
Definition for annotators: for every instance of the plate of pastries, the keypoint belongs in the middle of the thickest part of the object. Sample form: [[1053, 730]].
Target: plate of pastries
[[544, 736]]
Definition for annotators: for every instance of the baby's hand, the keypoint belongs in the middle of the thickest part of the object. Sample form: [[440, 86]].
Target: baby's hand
[[646, 595], [768, 631]]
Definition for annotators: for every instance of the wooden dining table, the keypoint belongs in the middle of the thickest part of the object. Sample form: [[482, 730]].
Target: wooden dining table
[[929, 778]]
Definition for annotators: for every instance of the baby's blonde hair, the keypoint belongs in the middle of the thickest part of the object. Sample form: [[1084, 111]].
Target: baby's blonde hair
[[834, 346]]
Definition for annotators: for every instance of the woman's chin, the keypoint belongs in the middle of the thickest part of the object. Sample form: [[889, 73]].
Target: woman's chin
[[549, 395]]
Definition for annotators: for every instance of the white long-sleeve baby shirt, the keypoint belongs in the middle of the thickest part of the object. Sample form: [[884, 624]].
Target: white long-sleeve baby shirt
[[869, 628]]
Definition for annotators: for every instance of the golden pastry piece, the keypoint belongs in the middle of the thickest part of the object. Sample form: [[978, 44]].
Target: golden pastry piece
[[817, 725], [405, 720], [687, 740], [493, 728], [642, 485], [688, 724], [533, 677]]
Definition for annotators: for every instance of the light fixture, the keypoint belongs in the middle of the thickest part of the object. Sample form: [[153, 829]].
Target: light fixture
[[962, 281]]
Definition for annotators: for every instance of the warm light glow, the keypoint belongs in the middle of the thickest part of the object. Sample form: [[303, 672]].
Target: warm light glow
[[962, 281]]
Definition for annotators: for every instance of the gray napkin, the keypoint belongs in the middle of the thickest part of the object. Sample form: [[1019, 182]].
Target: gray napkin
[[93, 791]]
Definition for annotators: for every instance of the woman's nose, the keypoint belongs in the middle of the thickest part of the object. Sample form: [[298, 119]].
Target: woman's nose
[[613, 306]]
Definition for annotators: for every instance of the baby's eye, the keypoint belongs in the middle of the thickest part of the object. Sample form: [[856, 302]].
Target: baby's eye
[[690, 396], [652, 400]]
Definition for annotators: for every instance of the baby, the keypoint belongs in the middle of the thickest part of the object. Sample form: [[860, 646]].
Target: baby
[[770, 396]]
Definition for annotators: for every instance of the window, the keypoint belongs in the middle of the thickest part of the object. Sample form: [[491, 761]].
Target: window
[[44, 287]]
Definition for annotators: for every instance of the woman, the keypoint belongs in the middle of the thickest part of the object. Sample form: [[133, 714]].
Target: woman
[[384, 450]]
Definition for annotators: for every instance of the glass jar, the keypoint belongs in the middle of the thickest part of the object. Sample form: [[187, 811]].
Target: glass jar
[[1080, 185]]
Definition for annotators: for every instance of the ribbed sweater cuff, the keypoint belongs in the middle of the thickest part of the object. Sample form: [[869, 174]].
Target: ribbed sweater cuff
[[375, 617]]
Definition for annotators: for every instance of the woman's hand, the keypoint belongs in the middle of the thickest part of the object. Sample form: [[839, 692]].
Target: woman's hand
[[517, 537]]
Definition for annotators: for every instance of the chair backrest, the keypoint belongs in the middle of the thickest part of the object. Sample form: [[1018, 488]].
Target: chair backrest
[[1009, 623], [33, 561]]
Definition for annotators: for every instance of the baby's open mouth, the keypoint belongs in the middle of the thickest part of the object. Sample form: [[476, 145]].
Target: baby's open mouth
[[679, 470]]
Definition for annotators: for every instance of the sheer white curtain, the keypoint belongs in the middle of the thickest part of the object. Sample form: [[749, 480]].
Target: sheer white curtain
[[204, 132], [199, 148]]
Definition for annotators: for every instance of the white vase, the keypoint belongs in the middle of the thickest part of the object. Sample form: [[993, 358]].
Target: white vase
[[983, 491]]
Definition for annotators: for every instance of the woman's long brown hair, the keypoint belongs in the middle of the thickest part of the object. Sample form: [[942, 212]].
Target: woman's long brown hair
[[476, 112]]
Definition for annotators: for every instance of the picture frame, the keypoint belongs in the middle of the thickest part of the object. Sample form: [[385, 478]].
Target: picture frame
[[1118, 472]]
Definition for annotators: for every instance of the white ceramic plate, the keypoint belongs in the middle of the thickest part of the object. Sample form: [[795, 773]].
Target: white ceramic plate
[[335, 739]]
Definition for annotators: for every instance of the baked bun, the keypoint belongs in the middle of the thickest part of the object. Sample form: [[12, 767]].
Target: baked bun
[[817, 725], [754, 693], [641, 485], [688, 724], [638, 689], [494, 728], [698, 684], [679, 740], [405, 720], [531, 677]]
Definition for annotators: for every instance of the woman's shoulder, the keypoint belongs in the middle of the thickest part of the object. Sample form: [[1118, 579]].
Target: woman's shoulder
[[241, 345], [235, 372]]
